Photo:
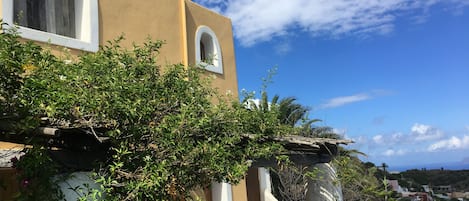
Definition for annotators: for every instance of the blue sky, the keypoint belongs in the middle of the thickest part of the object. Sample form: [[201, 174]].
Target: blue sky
[[393, 75]]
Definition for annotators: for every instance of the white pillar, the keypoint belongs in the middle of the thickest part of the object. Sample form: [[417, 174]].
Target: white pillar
[[265, 185], [221, 192], [325, 187], [75, 186]]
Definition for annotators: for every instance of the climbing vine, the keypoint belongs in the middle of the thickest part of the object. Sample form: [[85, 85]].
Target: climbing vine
[[167, 137], [36, 174]]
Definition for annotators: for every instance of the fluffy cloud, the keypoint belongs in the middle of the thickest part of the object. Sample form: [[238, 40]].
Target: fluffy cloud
[[261, 20], [378, 139], [451, 143], [397, 137], [390, 140], [392, 152], [421, 140], [422, 132]]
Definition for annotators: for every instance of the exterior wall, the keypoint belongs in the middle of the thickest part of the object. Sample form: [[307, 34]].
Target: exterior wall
[[137, 20], [197, 16], [140, 19], [239, 191], [201, 194], [8, 184], [1, 10], [175, 22]]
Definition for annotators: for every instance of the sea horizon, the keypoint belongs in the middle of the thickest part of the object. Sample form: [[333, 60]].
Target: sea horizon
[[430, 166]]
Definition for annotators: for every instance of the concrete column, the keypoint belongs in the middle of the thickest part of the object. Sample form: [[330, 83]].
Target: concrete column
[[265, 185], [74, 186], [326, 186], [221, 192]]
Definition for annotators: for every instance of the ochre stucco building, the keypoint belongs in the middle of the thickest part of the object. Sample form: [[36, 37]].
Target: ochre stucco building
[[194, 36], [182, 24]]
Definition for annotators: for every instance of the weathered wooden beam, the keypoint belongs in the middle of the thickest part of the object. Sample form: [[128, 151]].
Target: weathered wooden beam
[[48, 131], [296, 158]]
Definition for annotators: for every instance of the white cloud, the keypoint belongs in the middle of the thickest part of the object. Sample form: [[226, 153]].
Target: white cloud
[[340, 131], [451, 143], [422, 132], [344, 100], [395, 139], [392, 152], [359, 142], [261, 20], [378, 139], [398, 137], [420, 140], [340, 101], [283, 48]]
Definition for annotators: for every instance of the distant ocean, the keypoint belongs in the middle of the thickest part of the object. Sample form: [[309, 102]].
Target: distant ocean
[[446, 166]]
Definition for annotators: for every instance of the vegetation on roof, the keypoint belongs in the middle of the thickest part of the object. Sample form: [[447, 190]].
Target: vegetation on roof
[[166, 134]]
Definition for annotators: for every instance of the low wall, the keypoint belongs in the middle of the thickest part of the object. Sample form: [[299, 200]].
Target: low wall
[[9, 186]]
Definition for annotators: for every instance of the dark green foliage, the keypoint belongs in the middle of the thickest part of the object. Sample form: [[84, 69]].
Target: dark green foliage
[[35, 176], [17, 60], [358, 180], [287, 110], [167, 136], [458, 179]]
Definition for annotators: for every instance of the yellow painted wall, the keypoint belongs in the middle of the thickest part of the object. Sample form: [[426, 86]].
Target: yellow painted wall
[[8, 180], [196, 16], [8, 175], [1, 10], [175, 22], [139, 19], [239, 191]]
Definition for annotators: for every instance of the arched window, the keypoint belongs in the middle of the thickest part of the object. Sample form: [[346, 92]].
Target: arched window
[[207, 50]]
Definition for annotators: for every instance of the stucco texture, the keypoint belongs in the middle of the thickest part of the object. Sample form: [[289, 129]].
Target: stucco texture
[[197, 16]]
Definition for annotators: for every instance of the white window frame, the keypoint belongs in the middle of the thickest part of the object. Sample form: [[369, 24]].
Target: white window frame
[[86, 22], [216, 65]]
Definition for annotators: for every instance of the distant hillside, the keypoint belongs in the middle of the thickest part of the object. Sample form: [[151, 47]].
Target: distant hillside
[[458, 179], [461, 165]]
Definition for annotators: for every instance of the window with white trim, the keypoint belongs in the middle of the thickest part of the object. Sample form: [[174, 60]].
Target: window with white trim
[[69, 23], [207, 50]]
